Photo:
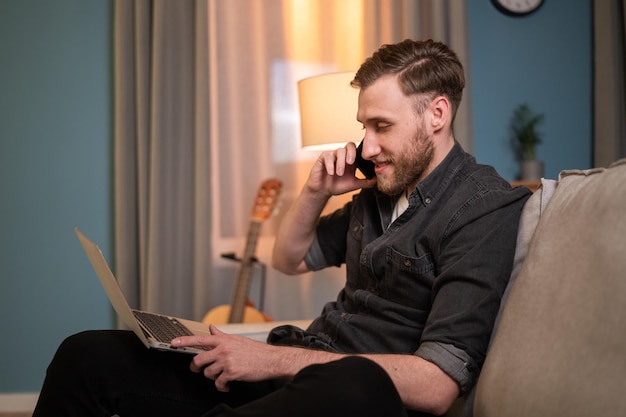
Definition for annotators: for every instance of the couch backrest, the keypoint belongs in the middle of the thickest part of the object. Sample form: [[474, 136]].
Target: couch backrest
[[560, 347]]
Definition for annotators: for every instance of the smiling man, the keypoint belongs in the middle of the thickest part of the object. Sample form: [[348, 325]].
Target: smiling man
[[428, 245]]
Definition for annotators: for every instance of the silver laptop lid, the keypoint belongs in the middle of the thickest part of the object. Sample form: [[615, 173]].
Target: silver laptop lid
[[109, 283]]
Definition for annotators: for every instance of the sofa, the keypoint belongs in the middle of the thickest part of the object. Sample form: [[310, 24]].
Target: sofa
[[559, 343]]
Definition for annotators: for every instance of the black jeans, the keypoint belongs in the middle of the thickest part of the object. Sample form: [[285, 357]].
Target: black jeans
[[103, 373]]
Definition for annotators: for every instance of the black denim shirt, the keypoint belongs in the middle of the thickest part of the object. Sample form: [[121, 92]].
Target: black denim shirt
[[429, 283]]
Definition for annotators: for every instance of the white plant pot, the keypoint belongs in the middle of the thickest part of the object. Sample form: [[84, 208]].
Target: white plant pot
[[531, 170]]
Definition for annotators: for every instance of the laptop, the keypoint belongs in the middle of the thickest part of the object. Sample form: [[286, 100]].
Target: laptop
[[154, 330]]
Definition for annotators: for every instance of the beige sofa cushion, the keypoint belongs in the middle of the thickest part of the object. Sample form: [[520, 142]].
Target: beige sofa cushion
[[560, 348]]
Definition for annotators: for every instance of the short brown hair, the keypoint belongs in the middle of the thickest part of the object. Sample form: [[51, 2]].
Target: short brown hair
[[425, 69]]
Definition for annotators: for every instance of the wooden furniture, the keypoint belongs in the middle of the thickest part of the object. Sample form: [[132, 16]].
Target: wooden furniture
[[531, 185]]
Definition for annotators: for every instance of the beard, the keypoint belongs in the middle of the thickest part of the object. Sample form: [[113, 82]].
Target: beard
[[409, 165]]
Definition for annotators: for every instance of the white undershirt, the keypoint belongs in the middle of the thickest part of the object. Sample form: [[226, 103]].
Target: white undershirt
[[401, 205]]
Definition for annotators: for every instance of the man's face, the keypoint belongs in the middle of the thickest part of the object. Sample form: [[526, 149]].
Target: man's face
[[396, 138]]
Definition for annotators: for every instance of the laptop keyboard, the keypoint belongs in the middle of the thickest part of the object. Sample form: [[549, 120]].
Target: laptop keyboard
[[164, 328]]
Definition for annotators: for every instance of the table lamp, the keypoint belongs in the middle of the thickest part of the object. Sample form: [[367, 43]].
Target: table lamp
[[328, 107]]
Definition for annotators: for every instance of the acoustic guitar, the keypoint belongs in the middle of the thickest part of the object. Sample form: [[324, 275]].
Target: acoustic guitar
[[241, 309]]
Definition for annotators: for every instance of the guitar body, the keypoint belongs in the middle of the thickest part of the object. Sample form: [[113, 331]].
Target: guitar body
[[221, 314]]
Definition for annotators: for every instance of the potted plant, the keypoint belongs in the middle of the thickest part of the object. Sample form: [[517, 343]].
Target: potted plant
[[525, 138]]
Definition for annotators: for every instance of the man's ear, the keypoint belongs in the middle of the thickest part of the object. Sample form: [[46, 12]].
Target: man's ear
[[441, 113]]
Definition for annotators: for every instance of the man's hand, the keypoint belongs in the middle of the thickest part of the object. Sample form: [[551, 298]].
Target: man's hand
[[233, 358], [334, 172]]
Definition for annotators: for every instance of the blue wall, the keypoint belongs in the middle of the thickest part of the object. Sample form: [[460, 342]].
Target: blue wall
[[55, 173], [56, 147], [543, 59]]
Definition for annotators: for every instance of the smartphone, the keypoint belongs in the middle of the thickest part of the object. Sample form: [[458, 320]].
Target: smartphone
[[365, 166]]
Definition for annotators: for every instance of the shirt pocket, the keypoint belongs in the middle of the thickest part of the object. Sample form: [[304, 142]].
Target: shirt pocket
[[354, 253], [408, 279]]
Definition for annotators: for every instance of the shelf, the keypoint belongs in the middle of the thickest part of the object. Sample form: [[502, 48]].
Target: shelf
[[531, 185]]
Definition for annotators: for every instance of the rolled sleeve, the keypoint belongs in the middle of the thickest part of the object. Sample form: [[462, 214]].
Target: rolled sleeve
[[452, 360], [315, 258]]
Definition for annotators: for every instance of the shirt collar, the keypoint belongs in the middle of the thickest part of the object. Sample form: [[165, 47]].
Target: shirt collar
[[430, 187]]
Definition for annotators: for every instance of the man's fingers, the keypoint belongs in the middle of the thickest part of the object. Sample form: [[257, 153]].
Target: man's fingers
[[340, 161], [221, 384], [335, 162], [186, 341], [215, 331], [350, 153]]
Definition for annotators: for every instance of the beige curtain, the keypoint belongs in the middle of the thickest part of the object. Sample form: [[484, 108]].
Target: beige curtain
[[220, 75], [609, 81], [162, 204]]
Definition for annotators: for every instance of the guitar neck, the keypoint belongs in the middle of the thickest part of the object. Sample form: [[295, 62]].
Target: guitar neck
[[242, 289]]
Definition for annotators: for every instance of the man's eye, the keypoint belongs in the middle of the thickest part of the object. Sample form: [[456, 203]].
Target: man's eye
[[382, 127]]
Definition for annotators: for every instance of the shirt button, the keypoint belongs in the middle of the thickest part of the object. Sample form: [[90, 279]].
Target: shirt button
[[407, 263], [427, 200]]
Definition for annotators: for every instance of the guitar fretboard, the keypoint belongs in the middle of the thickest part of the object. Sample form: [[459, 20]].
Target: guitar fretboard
[[240, 298]]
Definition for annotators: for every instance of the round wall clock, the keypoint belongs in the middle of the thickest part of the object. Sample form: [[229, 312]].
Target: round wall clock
[[517, 7]]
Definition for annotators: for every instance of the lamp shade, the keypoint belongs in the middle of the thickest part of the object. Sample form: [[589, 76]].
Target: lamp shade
[[328, 107]]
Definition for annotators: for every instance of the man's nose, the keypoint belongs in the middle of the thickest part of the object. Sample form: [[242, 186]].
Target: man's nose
[[369, 148]]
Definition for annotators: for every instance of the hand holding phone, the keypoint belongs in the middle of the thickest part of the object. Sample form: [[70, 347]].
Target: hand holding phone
[[365, 166]]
